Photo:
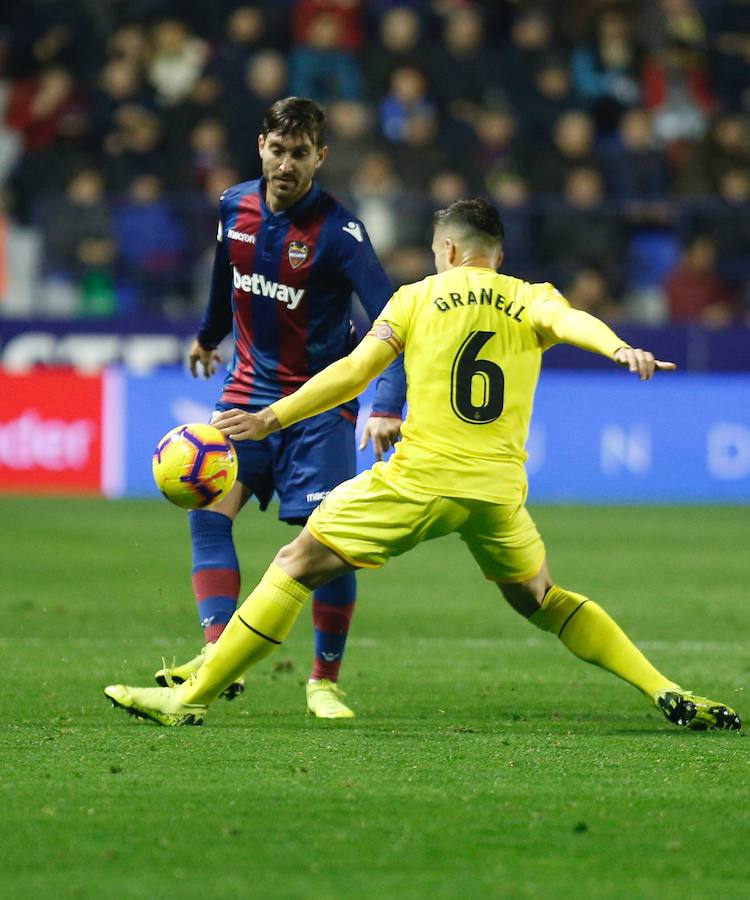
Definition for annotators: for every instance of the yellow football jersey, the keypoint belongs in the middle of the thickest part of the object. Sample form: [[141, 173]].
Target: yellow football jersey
[[472, 359]]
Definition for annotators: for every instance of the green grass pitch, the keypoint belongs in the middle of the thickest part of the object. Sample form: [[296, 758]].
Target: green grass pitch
[[484, 760]]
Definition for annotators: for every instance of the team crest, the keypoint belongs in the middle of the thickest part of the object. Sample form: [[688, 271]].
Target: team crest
[[297, 253]]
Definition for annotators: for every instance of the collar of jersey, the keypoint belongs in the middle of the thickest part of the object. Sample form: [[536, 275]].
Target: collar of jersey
[[293, 212]]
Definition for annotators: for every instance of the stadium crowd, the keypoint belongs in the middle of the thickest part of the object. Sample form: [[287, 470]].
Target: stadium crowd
[[613, 136]]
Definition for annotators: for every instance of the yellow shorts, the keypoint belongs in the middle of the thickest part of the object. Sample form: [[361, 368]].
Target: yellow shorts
[[369, 519]]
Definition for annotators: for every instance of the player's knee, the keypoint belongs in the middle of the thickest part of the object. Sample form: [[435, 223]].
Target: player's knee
[[527, 597], [288, 557], [299, 563]]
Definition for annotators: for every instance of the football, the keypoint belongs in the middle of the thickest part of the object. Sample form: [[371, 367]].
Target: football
[[194, 465]]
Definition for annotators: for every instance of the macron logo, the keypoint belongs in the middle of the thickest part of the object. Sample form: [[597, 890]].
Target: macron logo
[[240, 236], [258, 285], [354, 230]]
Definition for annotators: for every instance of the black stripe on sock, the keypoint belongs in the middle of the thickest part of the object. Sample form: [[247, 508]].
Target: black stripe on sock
[[580, 606], [260, 633]]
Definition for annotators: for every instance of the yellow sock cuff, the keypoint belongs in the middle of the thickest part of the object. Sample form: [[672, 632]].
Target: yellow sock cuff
[[273, 607], [279, 579], [557, 608]]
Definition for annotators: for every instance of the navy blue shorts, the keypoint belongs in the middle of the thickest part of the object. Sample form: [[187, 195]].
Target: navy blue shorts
[[301, 463]]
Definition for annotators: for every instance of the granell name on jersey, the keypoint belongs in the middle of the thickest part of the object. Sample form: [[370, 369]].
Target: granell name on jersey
[[486, 298], [261, 287]]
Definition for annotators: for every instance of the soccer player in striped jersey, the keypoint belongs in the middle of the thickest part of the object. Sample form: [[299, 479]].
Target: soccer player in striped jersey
[[288, 257], [473, 342]]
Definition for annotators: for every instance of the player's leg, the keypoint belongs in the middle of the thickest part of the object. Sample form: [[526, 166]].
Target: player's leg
[[215, 577], [258, 627], [514, 557], [215, 566], [320, 454], [361, 524], [332, 611], [265, 619]]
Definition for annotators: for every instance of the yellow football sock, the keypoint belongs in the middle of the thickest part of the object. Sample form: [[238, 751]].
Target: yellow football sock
[[589, 633], [254, 632]]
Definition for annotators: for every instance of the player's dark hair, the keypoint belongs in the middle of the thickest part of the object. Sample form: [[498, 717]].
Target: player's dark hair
[[296, 115], [475, 215]]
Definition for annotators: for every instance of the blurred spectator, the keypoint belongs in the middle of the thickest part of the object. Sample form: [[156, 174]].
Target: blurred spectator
[[550, 95], [727, 218], [677, 93], [43, 107], [511, 193], [346, 13], [208, 151], [153, 277], [50, 119], [79, 245], [350, 137], [245, 34], [605, 71], [573, 146], [633, 167], [244, 104], [118, 82], [375, 192], [400, 44], [695, 292], [581, 231], [531, 40], [420, 155], [409, 264], [588, 290], [130, 42], [322, 68], [724, 148], [177, 61], [135, 146], [461, 72], [46, 35], [407, 97], [728, 27], [665, 21], [447, 187], [496, 148]]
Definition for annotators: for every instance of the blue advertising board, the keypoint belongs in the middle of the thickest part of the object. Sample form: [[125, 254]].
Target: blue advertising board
[[595, 438]]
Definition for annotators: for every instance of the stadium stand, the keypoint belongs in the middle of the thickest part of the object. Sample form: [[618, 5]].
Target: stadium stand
[[614, 136]]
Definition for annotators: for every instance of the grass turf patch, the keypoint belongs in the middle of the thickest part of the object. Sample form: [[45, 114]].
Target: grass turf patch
[[484, 759]]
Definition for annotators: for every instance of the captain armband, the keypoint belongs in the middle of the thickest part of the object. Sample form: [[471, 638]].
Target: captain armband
[[383, 332]]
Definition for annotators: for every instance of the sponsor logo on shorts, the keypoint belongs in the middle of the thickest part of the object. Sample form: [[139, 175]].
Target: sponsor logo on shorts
[[317, 496]]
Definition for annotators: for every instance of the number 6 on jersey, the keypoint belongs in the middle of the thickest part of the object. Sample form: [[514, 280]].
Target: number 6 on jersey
[[476, 378]]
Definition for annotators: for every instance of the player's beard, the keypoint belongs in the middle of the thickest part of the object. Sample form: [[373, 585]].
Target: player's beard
[[287, 192]]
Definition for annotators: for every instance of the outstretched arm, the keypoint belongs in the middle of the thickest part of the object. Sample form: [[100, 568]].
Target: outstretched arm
[[339, 382], [558, 323]]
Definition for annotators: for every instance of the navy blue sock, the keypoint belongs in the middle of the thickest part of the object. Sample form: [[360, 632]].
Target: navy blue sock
[[216, 570], [332, 610]]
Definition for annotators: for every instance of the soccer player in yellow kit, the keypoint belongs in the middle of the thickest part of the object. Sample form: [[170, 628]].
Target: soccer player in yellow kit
[[472, 341]]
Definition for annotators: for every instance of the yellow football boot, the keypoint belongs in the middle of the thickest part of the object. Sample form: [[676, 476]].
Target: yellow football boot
[[169, 675], [161, 705], [697, 713], [324, 700]]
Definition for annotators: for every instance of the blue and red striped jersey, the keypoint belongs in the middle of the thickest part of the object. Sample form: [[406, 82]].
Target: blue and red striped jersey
[[283, 283]]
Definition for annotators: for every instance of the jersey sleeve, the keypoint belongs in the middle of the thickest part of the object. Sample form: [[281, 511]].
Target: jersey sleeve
[[362, 269], [217, 319], [556, 322], [341, 381]]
